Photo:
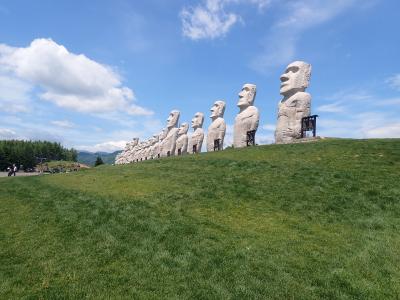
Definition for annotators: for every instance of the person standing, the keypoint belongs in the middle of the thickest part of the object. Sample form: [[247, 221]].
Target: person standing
[[14, 169]]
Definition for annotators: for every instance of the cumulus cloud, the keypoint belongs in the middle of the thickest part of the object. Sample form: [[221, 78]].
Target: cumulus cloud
[[14, 95], [69, 80], [63, 123], [210, 20]]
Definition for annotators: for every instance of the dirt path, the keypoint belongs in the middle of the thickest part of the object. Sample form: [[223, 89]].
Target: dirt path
[[19, 174]]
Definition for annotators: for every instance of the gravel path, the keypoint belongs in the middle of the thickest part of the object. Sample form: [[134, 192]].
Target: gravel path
[[19, 174]]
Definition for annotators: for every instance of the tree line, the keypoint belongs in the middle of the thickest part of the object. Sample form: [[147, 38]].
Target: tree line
[[27, 153]]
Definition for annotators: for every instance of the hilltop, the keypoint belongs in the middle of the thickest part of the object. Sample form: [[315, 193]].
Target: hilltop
[[301, 221]]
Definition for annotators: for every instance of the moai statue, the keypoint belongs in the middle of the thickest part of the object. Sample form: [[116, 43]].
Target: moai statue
[[169, 142], [118, 159], [138, 154], [158, 146], [296, 103], [132, 148], [146, 153], [196, 141], [246, 121], [182, 140], [217, 129], [153, 148]]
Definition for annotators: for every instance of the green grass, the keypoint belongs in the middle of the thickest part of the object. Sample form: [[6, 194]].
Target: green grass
[[306, 221]]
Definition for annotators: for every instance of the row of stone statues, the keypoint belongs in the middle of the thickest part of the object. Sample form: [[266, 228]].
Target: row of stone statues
[[295, 105]]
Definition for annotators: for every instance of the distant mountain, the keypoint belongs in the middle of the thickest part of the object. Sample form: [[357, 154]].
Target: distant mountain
[[89, 158]]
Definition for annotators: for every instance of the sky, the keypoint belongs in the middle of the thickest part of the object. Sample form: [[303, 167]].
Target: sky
[[94, 74]]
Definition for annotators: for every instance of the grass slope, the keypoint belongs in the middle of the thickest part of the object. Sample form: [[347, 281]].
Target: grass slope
[[304, 221]]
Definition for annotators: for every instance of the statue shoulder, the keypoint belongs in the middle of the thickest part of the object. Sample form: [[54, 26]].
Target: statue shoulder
[[303, 96], [253, 110]]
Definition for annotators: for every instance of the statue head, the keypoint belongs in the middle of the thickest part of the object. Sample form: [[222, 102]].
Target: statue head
[[173, 118], [134, 142], [218, 109], [247, 95], [197, 121], [183, 129], [156, 138], [296, 78]]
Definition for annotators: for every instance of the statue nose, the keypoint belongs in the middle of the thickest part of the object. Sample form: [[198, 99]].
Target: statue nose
[[284, 78]]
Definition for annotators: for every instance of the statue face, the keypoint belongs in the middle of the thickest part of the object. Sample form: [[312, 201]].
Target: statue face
[[247, 95], [217, 110], [183, 129], [197, 121], [173, 118], [296, 78]]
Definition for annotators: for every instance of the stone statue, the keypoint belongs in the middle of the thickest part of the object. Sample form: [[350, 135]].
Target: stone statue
[[158, 145], [182, 140], [196, 141], [246, 121], [153, 148], [296, 103], [169, 142], [131, 150], [147, 151], [217, 129]]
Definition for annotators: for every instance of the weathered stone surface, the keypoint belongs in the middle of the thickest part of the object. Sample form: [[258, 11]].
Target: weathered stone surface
[[198, 133], [169, 143], [296, 103], [248, 117], [217, 129], [182, 140]]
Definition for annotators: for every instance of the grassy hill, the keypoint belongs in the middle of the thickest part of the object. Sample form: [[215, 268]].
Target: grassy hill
[[89, 158], [306, 221]]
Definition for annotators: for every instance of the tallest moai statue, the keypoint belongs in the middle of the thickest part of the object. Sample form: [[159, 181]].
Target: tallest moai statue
[[296, 103]]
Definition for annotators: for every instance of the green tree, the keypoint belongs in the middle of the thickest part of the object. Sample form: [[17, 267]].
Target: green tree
[[98, 161]]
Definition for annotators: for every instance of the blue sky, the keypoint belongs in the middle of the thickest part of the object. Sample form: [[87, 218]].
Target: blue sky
[[94, 74]]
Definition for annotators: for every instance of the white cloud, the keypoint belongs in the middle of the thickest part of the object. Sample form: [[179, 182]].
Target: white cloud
[[69, 80], [207, 22], [394, 82], [7, 134], [109, 146], [63, 123], [360, 125], [14, 95], [390, 130], [269, 127], [388, 102], [210, 19], [336, 107]]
